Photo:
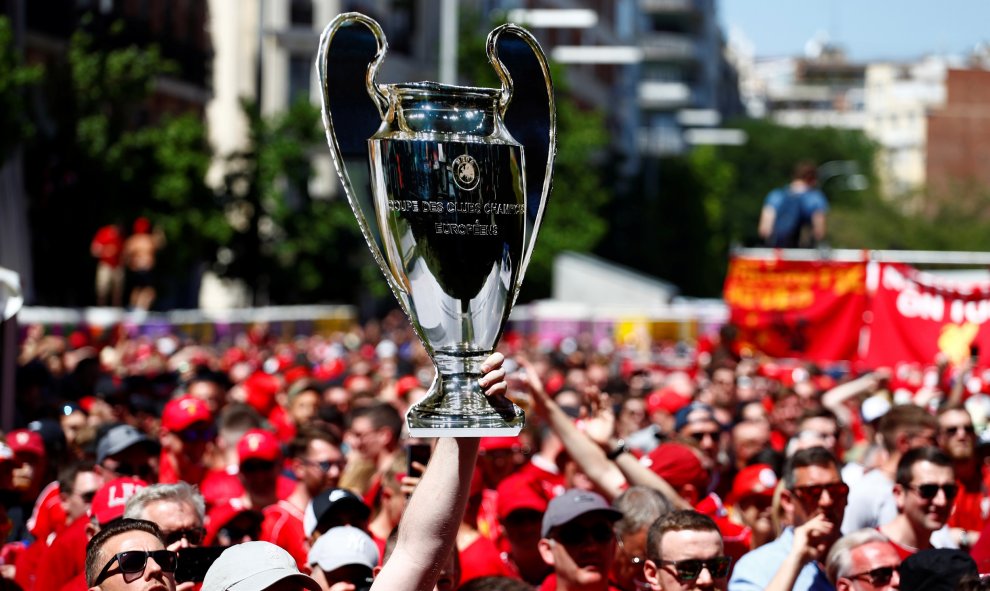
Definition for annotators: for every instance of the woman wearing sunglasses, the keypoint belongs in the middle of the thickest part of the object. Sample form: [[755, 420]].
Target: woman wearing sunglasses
[[130, 554]]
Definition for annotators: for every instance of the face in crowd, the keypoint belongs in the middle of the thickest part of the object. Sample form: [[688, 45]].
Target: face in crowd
[[581, 550], [817, 490], [686, 554], [872, 566]]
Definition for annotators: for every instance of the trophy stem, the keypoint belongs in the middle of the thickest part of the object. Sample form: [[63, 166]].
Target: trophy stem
[[456, 406]]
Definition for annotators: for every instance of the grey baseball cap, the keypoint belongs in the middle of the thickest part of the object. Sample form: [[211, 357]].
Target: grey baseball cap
[[573, 504], [252, 566], [119, 438]]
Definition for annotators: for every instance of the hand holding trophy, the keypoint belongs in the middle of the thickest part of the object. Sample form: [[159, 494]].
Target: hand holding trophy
[[449, 185]]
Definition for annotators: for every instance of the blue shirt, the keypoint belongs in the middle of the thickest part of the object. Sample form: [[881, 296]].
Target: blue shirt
[[756, 568]]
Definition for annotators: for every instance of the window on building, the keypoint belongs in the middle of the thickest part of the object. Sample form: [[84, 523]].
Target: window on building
[[300, 67], [301, 13]]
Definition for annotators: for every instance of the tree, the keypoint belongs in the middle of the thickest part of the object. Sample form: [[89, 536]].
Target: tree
[[102, 156], [15, 79]]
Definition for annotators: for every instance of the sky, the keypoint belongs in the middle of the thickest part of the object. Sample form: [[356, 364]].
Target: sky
[[869, 30]]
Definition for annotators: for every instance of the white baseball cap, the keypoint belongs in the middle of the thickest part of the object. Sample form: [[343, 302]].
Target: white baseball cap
[[342, 546], [254, 566]]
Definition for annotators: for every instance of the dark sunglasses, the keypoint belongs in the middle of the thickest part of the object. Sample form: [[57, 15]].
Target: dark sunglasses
[[141, 471], [967, 429], [574, 534], [257, 466], [699, 437], [813, 493], [325, 465], [689, 570], [930, 491], [87, 497], [198, 435], [878, 577], [134, 561], [193, 535]]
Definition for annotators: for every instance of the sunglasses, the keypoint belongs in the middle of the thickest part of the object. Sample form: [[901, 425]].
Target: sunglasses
[[878, 577], [134, 561], [574, 534], [193, 535], [142, 471], [257, 466], [87, 497], [689, 570], [967, 429], [699, 437], [930, 491], [812, 493], [198, 435], [325, 465]]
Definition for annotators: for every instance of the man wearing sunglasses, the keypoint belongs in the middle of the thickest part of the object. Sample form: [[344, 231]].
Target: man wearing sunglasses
[[813, 500], [863, 560], [177, 509], [130, 554], [957, 437], [578, 541], [685, 552], [924, 491]]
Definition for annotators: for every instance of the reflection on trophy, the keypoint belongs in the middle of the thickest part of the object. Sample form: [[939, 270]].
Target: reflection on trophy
[[449, 186]]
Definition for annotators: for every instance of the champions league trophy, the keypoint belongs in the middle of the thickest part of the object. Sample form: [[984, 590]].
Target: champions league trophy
[[449, 185]]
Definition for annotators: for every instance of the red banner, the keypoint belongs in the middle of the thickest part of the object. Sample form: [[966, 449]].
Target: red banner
[[916, 316], [807, 309]]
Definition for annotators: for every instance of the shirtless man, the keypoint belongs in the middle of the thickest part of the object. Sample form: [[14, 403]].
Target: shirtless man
[[139, 258]]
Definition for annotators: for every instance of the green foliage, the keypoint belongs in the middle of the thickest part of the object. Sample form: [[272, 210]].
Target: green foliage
[[15, 79], [289, 240]]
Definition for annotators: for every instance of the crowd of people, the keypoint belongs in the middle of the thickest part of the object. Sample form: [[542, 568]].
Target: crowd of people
[[271, 463]]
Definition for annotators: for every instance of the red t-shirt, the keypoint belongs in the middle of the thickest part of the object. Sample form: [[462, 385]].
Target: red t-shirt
[[283, 526], [550, 584], [111, 245], [972, 506], [65, 558], [48, 516]]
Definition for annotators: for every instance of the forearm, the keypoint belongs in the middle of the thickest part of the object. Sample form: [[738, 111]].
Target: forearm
[[639, 475], [590, 457], [787, 574], [429, 524]]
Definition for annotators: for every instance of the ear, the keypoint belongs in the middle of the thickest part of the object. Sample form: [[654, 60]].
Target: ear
[[545, 546], [690, 494], [899, 494], [902, 443], [91, 530], [652, 573]]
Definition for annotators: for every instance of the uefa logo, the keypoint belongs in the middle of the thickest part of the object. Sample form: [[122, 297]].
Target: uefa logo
[[467, 175]]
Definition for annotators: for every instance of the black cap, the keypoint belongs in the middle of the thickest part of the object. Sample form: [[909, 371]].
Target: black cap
[[935, 569], [333, 501]]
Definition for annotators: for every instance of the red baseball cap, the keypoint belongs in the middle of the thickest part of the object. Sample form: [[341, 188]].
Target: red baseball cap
[[755, 480], [26, 441], [260, 390], [258, 444], [405, 385], [110, 499], [498, 443], [514, 494], [181, 413], [679, 465], [666, 399]]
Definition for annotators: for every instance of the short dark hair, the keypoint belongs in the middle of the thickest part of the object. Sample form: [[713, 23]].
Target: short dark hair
[[920, 454], [812, 456], [67, 476], [95, 560], [903, 418], [300, 443], [381, 414], [494, 583], [681, 520], [817, 413]]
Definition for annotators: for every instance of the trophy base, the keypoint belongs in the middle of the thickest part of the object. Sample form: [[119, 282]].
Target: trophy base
[[456, 406]]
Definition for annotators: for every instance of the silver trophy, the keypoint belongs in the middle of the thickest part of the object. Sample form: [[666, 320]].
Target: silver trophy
[[449, 185]]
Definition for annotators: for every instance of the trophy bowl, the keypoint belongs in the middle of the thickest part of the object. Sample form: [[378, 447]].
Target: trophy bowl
[[438, 181]]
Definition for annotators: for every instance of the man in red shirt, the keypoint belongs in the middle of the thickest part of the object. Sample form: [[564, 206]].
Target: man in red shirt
[[106, 247], [186, 430], [578, 542], [957, 437], [924, 491]]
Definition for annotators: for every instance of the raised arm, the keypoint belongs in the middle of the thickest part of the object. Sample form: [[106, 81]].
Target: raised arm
[[429, 523]]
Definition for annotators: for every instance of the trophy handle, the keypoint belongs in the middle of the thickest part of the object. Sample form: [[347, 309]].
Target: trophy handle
[[347, 62], [531, 118]]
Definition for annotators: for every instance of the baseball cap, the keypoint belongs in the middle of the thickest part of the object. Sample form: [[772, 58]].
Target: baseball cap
[[681, 419], [119, 438], [342, 546], [573, 504], [330, 501], [181, 413], [254, 565], [935, 569], [666, 399], [258, 444], [490, 444], [26, 441], [874, 407], [111, 498], [755, 480], [515, 493], [677, 464], [406, 384]]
